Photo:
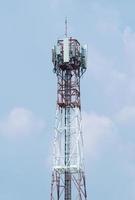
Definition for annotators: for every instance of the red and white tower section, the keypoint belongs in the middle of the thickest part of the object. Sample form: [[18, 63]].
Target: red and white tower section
[[68, 178]]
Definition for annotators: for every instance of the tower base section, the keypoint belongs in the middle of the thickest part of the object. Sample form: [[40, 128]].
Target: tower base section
[[68, 186]]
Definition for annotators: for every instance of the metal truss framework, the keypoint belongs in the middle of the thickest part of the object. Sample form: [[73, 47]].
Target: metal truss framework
[[68, 180], [78, 185]]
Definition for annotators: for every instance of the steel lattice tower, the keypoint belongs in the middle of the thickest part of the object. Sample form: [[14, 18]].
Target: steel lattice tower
[[68, 179]]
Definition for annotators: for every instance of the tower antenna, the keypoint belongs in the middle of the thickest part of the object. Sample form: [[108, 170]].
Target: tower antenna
[[66, 27]]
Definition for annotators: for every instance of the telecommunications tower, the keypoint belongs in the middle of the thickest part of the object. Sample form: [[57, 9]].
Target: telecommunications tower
[[68, 178]]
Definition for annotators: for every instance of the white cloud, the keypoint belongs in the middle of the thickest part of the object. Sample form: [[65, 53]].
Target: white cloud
[[95, 129], [112, 57], [115, 74], [126, 115], [102, 68], [98, 129], [20, 121], [109, 78]]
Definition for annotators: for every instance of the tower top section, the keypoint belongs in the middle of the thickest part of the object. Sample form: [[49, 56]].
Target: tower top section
[[68, 54]]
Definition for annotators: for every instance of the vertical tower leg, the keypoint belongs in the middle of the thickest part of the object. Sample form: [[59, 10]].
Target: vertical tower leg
[[67, 185]]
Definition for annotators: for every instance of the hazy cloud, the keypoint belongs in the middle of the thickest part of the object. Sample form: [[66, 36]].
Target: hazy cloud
[[20, 121], [126, 115], [95, 129]]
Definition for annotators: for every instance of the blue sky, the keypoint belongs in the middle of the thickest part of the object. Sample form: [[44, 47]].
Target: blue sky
[[28, 30]]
